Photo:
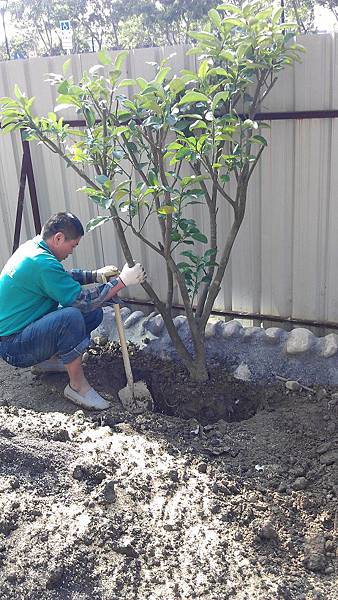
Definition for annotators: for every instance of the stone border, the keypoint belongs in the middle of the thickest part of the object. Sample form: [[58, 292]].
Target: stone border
[[266, 352]]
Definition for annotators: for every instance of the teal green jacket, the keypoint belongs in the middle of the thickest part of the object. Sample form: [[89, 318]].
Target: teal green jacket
[[33, 283]]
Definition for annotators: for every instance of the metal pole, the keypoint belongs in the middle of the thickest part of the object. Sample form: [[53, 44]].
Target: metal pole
[[283, 13], [32, 187], [5, 32], [21, 199]]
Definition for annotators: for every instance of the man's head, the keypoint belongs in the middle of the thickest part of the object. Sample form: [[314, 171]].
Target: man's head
[[62, 233]]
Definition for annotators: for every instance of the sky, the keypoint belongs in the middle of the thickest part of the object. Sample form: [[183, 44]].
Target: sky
[[324, 19]]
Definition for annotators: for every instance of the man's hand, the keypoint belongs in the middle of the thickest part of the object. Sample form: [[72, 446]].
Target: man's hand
[[105, 273], [133, 275]]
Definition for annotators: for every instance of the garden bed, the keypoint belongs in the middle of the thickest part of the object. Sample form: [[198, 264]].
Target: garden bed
[[155, 507]]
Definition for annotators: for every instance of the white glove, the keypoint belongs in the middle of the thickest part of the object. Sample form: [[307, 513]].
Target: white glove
[[104, 274], [133, 275]]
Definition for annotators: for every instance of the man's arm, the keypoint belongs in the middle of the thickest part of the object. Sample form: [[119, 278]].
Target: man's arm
[[101, 275], [89, 300], [82, 276]]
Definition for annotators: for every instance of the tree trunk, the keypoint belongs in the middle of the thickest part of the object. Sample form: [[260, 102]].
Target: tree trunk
[[197, 367]]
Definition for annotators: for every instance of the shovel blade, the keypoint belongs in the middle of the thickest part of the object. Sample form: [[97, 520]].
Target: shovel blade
[[139, 402]]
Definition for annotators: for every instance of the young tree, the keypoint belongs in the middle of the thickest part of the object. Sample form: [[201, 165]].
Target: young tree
[[141, 148]]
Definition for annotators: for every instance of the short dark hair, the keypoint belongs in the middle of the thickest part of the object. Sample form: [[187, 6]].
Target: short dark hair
[[65, 222]]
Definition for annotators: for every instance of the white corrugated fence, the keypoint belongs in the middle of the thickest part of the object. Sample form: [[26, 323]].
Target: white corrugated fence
[[284, 262]]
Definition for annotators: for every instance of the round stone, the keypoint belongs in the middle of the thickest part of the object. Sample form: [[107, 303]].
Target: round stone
[[329, 345], [155, 325], [299, 340], [232, 329], [274, 334], [252, 333], [134, 318], [211, 329], [180, 321]]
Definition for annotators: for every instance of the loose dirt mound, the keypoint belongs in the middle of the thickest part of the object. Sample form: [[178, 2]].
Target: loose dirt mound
[[154, 507]]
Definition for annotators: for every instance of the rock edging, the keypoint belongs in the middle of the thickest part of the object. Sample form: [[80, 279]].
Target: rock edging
[[265, 352]]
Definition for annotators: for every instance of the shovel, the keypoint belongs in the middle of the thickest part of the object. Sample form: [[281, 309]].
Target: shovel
[[135, 397]]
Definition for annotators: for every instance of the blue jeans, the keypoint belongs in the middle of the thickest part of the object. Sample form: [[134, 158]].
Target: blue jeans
[[65, 332]]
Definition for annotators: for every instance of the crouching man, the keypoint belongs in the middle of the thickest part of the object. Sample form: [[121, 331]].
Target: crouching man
[[46, 316]]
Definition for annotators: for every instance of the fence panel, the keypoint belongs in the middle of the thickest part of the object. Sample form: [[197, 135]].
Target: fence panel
[[284, 260]]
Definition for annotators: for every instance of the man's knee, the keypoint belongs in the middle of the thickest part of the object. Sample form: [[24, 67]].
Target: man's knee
[[72, 317], [93, 319]]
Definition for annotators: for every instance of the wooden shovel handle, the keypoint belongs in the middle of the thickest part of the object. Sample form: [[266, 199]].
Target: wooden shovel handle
[[123, 343]]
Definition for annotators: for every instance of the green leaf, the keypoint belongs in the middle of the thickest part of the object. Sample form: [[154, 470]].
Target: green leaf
[[191, 97], [18, 93], [87, 190], [166, 209], [59, 107], [199, 237], [142, 83], [96, 222], [277, 13], [104, 57], [95, 69], [203, 68], [198, 125], [219, 97], [89, 115], [66, 65], [218, 71], [229, 8], [183, 153], [259, 139], [102, 179], [193, 179], [232, 22], [210, 252], [121, 57], [205, 36], [127, 82], [63, 87], [162, 74], [225, 178], [214, 16], [118, 154], [107, 202], [190, 255], [120, 193]]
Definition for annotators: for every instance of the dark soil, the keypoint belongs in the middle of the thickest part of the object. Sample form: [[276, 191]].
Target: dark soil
[[173, 392], [156, 507]]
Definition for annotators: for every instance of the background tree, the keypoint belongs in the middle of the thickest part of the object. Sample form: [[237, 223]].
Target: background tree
[[142, 147], [39, 20], [173, 19], [302, 13], [331, 5], [128, 24], [108, 23]]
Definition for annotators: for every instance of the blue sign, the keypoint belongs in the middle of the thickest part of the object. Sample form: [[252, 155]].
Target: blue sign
[[18, 54], [65, 25]]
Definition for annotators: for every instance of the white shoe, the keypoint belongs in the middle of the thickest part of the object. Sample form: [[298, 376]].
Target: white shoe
[[52, 365], [90, 400]]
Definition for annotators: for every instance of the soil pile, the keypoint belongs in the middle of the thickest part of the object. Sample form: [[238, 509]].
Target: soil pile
[[156, 507]]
